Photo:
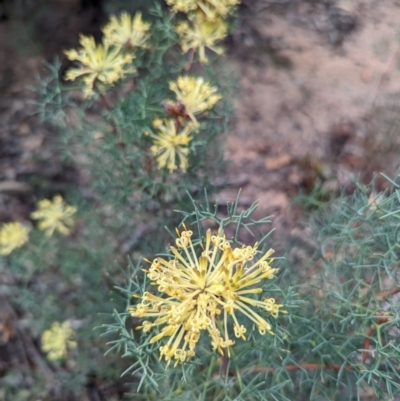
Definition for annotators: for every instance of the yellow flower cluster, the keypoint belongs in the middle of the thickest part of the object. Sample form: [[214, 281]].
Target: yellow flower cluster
[[212, 9], [204, 291], [196, 95], [100, 64], [199, 34], [206, 26], [103, 64], [170, 146], [57, 340], [12, 236], [127, 30], [54, 215]]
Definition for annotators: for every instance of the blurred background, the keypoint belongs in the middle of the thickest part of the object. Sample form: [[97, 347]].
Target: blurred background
[[317, 106]]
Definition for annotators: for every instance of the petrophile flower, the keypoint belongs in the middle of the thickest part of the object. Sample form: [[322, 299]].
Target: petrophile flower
[[12, 236], [212, 9], [54, 215], [199, 33], [195, 94], [127, 30], [57, 340], [101, 65], [205, 286], [170, 146]]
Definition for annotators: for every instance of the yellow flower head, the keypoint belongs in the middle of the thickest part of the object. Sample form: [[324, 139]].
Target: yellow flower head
[[200, 33], [12, 236], [101, 65], [195, 94], [205, 286], [57, 340], [170, 145], [127, 30], [212, 9], [54, 215]]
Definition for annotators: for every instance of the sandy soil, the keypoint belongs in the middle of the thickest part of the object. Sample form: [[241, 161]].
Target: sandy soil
[[312, 78]]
